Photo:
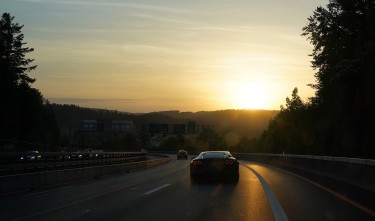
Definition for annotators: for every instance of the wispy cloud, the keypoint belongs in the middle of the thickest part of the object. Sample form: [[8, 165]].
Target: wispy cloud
[[146, 48], [159, 19], [88, 100], [112, 4], [241, 29]]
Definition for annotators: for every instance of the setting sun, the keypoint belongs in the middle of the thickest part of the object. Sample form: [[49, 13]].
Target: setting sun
[[247, 95]]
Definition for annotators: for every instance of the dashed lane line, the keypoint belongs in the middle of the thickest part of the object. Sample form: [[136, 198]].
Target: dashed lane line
[[156, 189]]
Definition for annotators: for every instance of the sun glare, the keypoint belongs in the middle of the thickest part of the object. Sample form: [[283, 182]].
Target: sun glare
[[248, 96]]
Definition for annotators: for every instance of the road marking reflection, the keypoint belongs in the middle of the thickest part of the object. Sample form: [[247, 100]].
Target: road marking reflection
[[156, 189], [276, 208], [217, 190]]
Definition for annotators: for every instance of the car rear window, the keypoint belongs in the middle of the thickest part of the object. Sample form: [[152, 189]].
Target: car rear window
[[209, 155]]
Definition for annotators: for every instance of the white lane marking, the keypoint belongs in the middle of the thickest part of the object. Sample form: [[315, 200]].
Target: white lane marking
[[276, 208], [52, 190], [156, 189]]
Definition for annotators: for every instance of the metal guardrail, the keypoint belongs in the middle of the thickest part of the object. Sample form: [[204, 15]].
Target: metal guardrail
[[30, 181], [11, 163], [368, 162], [353, 171], [20, 167], [10, 157]]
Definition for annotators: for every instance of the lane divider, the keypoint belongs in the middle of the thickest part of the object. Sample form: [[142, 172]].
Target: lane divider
[[156, 189], [276, 208]]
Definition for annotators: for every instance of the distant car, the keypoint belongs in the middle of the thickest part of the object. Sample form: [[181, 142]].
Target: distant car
[[214, 165], [31, 155], [76, 156], [182, 154]]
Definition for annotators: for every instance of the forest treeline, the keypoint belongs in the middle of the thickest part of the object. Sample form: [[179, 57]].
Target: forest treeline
[[338, 120]]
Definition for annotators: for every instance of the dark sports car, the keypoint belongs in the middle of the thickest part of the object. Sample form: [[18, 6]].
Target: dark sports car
[[214, 165]]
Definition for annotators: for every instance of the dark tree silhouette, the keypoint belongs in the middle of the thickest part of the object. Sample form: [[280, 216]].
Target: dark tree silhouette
[[339, 120], [285, 133], [25, 115], [343, 36], [13, 61]]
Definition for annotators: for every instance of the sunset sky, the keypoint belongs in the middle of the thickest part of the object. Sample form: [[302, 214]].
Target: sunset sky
[[154, 55]]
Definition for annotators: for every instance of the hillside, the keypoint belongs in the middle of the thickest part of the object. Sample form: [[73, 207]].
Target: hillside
[[248, 123]]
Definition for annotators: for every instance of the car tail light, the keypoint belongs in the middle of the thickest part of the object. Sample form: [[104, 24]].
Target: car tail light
[[228, 161], [197, 162]]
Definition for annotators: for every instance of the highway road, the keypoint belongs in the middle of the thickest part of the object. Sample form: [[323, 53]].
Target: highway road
[[165, 193]]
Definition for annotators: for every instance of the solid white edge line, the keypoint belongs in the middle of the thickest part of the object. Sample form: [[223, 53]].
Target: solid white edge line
[[276, 208], [156, 189]]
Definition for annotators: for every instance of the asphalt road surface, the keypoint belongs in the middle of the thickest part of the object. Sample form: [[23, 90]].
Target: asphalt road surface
[[166, 193]]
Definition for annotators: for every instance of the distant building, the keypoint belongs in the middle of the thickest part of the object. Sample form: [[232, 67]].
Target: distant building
[[104, 132], [155, 142], [119, 133], [90, 125], [122, 126]]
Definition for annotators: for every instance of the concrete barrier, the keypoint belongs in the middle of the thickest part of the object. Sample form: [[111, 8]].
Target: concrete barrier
[[31, 181], [357, 172]]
